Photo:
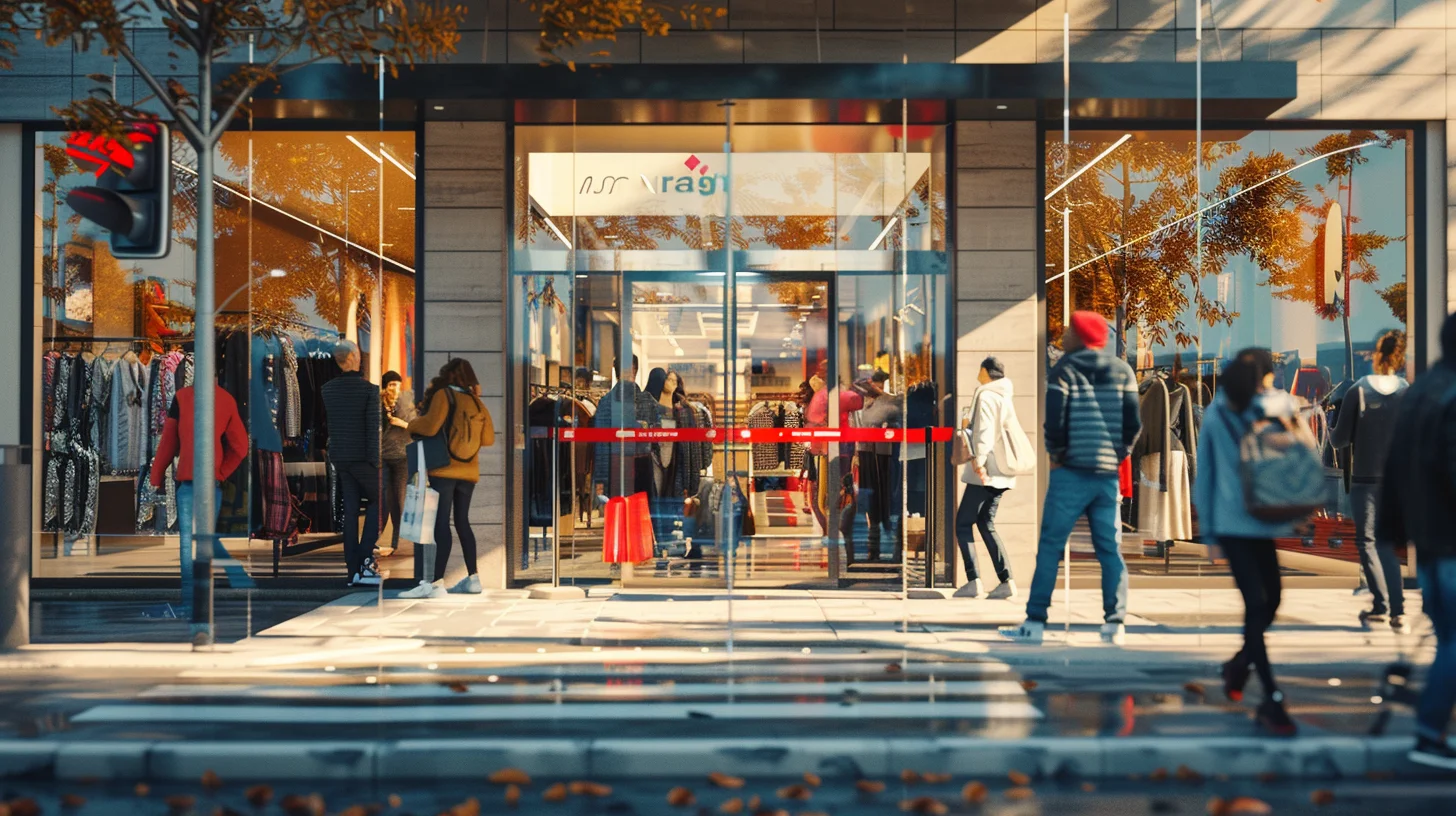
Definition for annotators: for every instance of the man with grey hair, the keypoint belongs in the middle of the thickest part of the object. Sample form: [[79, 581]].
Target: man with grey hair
[[352, 405]]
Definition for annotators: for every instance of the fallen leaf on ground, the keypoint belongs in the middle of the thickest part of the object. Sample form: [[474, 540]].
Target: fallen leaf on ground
[[869, 786], [798, 792], [755, 803], [722, 780], [925, 804], [1019, 794], [1216, 807], [1018, 778], [177, 803], [296, 805], [1029, 685], [211, 781], [555, 793], [72, 801], [892, 668], [933, 778], [260, 795], [909, 777], [394, 801], [1195, 689], [360, 810], [734, 805], [1322, 797], [458, 688], [1187, 774], [1248, 805], [470, 807], [1159, 775], [511, 776], [1379, 776], [812, 780], [1268, 777], [1088, 787], [681, 797], [143, 789], [592, 789], [513, 795], [975, 792]]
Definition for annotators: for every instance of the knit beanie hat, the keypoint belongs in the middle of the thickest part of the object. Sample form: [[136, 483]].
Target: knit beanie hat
[[1091, 328]]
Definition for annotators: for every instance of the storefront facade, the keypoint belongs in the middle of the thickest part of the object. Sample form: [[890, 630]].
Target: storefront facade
[[874, 198]]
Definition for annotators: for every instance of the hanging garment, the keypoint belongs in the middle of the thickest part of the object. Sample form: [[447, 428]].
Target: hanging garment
[[101, 372], [277, 500], [793, 451], [1165, 515], [765, 454], [292, 420]]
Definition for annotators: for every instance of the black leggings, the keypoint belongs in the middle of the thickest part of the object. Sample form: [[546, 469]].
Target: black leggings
[[396, 477], [1255, 565], [454, 494]]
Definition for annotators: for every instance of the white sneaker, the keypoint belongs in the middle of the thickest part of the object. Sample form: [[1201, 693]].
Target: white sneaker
[[366, 576], [426, 589], [1401, 624], [969, 590], [1030, 632], [1004, 591], [469, 585], [1114, 633]]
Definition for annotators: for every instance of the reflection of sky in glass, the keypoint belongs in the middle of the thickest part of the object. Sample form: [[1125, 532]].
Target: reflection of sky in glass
[[1289, 326]]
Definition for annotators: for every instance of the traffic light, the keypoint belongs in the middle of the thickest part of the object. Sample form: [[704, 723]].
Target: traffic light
[[133, 195]]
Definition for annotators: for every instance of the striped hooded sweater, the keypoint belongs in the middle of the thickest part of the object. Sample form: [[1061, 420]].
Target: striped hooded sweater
[[1092, 413]]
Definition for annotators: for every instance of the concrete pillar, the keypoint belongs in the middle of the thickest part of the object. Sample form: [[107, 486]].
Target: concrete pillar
[[996, 295], [464, 301], [15, 473], [15, 546]]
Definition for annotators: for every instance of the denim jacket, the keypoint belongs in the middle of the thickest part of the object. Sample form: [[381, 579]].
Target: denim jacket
[[1218, 494]]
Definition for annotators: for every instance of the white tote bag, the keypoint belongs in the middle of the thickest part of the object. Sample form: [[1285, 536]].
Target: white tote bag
[[421, 503]]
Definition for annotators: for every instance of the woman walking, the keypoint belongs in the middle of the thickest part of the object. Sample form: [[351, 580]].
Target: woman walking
[[984, 483], [1247, 396], [1365, 424], [397, 414], [453, 409]]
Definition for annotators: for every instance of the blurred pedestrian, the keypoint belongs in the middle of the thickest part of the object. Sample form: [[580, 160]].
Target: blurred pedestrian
[[985, 483], [1092, 421], [1365, 423], [1418, 505], [1246, 395]]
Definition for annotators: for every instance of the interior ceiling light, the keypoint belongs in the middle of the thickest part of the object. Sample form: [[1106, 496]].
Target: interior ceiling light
[[370, 153], [1000, 107], [383, 151], [439, 107]]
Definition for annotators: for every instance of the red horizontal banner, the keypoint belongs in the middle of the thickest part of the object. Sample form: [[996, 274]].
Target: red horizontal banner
[[752, 435]]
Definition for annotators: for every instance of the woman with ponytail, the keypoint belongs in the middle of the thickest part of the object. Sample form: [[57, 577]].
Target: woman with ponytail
[[1365, 422]]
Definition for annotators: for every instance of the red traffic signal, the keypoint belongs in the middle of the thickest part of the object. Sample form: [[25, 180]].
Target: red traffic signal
[[133, 198]]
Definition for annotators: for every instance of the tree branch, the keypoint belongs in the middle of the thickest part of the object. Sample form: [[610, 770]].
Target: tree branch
[[184, 26], [189, 129], [245, 93]]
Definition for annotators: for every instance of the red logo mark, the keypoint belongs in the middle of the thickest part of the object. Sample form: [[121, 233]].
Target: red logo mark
[[695, 163]]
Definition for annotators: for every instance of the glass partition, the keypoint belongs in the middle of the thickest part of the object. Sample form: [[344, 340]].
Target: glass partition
[[829, 291]]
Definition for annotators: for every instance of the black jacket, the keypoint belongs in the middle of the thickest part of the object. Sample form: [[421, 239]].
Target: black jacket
[[352, 404], [1418, 497]]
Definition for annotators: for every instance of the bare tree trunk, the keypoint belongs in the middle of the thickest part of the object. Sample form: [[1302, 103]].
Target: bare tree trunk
[[204, 510]]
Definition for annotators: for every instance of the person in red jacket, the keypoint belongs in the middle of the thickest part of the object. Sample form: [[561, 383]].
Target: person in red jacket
[[231, 448]]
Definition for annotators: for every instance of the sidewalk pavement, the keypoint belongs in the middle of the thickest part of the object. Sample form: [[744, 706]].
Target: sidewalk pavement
[[627, 684]]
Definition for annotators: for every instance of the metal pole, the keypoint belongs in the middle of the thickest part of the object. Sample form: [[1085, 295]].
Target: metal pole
[[1066, 262], [204, 510], [1198, 185]]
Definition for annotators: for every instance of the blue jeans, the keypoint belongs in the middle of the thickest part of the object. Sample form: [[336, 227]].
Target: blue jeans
[[237, 576], [1070, 495], [1438, 589]]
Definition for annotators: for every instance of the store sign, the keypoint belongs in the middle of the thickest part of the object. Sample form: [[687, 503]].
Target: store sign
[[698, 184]]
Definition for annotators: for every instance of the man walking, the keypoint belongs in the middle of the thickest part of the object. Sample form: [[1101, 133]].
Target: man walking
[[1092, 421], [353, 404], [1418, 505]]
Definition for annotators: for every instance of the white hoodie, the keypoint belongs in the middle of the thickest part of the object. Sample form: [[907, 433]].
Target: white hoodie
[[992, 402]]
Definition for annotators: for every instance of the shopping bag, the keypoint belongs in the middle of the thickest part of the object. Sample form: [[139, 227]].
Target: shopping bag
[[421, 504], [628, 538]]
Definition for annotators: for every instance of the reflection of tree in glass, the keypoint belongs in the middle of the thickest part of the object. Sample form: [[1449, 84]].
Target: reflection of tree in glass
[[58, 165], [1141, 187]]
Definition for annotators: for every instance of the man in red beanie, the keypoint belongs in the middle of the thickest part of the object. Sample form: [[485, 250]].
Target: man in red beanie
[[1092, 421]]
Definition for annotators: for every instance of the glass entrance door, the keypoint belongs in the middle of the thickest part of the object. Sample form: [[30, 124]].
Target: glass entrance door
[[748, 329]]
